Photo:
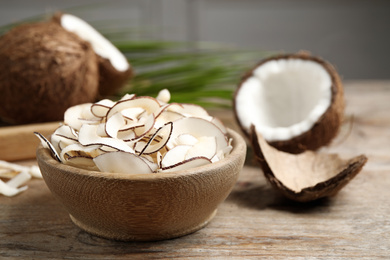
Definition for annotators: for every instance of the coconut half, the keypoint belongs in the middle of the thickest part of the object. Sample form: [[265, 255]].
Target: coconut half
[[295, 101], [114, 69], [44, 70], [306, 176]]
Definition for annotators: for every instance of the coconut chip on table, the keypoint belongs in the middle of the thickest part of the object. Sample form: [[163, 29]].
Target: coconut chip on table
[[138, 135], [16, 175]]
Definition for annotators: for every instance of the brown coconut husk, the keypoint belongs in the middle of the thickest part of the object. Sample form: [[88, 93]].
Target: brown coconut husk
[[44, 70], [326, 128], [307, 176], [110, 79]]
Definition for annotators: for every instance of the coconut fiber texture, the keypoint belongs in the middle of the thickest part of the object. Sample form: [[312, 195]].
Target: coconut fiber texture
[[44, 70]]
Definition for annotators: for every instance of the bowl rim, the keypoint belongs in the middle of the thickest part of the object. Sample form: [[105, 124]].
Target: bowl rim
[[239, 148]]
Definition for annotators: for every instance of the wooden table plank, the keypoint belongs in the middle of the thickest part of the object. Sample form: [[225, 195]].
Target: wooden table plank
[[254, 220]]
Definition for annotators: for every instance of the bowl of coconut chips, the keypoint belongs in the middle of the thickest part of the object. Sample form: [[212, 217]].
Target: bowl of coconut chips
[[141, 168]]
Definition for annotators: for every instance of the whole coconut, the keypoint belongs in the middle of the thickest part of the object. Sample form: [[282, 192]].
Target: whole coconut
[[114, 68], [44, 70]]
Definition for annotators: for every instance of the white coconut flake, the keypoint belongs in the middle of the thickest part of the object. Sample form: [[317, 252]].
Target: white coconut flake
[[122, 162], [187, 164], [17, 175], [9, 191], [73, 115], [100, 109], [175, 155], [164, 96]]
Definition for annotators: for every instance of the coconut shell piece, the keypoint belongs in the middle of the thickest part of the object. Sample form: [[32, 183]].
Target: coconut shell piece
[[307, 176], [111, 78], [323, 130], [44, 70]]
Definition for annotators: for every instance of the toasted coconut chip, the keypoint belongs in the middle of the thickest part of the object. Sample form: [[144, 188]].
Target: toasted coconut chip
[[122, 162], [306, 176], [63, 136], [164, 132], [222, 153], [48, 145], [219, 124], [175, 155], [135, 131], [19, 179], [114, 124], [148, 126], [185, 139], [101, 130], [197, 127], [77, 149], [127, 96], [132, 125], [205, 147], [187, 164], [191, 110], [73, 115], [67, 132], [108, 149], [18, 175], [132, 113], [88, 136], [164, 96], [61, 146], [167, 116], [10, 191], [82, 162], [159, 156], [8, 167], [100, 109], [128, 135], [7, 173], [168, 107], [149, 104], [150, 162]]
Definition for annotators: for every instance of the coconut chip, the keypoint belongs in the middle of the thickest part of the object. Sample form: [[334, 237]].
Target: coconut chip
[[138, 135], [17, 175]]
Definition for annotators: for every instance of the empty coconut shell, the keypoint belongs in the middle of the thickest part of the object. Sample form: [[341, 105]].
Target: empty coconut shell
[[114, 69], [307, 176], [44, 69], [294, 100]]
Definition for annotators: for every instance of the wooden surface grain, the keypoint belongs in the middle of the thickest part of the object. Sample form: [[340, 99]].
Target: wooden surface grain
[[19, 142], [254, 221]]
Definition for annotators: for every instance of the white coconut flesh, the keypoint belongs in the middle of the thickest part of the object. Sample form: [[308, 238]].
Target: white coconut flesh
[[100, 44], [138, 135], [284, 98]]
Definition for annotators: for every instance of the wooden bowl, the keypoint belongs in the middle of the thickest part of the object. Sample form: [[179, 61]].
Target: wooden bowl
[[143, 207]]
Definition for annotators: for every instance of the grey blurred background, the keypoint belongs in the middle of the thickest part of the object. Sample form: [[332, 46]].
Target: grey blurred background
[[352, 35]]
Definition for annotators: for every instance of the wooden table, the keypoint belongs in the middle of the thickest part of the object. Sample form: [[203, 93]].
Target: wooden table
[[254, 221]]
